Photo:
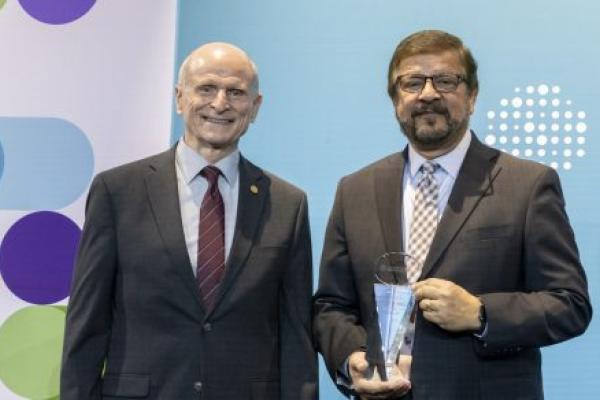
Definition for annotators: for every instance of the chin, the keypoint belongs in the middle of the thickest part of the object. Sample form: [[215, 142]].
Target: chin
[[426, 136], [220, 145], [431, 136]]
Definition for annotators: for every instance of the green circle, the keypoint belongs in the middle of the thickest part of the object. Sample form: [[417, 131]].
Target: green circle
[[30, 351], [2, 2]]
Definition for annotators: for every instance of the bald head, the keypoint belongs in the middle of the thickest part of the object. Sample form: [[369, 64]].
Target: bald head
[[219, 56], [217, 96]]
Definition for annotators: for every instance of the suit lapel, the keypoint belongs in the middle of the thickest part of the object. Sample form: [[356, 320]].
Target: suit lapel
[[388, 195], [253, 193], [161, 183], [474, 181]]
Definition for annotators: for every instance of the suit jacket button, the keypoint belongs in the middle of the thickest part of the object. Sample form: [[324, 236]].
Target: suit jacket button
[[198, 386], [207, 327]]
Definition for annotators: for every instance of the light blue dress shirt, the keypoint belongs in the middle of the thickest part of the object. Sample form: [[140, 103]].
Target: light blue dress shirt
[[192, 187], [445, 176]]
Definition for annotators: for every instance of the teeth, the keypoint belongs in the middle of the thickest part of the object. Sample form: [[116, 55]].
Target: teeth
[[218, 120]]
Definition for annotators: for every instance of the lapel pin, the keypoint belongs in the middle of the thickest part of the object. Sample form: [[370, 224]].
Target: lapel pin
[[254, 189]]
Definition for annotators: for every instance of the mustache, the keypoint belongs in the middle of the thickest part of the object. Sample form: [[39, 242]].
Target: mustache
[[426, 108]]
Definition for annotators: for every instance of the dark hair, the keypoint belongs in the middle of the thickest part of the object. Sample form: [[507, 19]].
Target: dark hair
[[431, 42]]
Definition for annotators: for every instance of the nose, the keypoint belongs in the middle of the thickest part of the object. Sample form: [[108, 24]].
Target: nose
[[220, 102], [428, 93]]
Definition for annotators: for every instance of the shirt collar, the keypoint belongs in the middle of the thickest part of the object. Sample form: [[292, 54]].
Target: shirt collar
[[450, 161], [191, 163]]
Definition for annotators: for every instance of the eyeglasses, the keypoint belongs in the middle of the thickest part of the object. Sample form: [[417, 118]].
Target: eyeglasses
[[443, 83]]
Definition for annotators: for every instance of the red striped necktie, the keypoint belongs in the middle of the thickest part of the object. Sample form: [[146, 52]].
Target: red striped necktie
[[211, 239]]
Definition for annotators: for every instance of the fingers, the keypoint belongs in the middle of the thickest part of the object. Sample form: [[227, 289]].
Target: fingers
[[432, 288], [372, 387], [432, 282], [426, 292], [377, 389], [435, 317], [357, 362], [433, 310], [448, 305], [404, 363], [430, 305]]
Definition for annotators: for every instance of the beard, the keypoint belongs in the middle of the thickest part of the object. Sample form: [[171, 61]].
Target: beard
[[430, 127]]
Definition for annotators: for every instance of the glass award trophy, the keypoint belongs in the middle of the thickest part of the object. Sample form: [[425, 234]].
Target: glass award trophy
[[394, 301]]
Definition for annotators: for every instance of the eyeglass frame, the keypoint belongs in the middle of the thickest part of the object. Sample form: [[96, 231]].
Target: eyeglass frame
[[461, 78]]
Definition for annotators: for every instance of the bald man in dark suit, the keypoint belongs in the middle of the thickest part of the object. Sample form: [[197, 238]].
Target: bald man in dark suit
[[193, 278]]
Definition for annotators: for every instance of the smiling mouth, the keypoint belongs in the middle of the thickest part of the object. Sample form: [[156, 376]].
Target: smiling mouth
[[219, 121]]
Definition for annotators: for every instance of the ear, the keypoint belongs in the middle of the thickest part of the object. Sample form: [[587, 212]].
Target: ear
[[255, 107], [472, 100], [395, 101], [178, 97]]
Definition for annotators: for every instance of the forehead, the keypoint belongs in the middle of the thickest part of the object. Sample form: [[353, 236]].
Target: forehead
[[223, 70], [431, 63]]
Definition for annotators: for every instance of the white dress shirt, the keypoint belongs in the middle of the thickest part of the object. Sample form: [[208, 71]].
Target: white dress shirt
[[192, 187]]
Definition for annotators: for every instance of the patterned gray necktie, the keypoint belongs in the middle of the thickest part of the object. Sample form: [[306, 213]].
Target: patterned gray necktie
[[424, 220]]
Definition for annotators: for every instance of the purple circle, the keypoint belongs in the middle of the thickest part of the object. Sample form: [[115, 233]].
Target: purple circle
[[37, 256], [56, 12]]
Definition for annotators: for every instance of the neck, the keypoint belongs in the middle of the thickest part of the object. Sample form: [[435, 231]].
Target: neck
[[430, 155]]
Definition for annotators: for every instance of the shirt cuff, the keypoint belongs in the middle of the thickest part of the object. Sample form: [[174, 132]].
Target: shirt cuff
[[481, 335], [342, 376]]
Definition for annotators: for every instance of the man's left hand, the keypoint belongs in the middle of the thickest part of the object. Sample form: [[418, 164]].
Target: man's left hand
[[448, 305]]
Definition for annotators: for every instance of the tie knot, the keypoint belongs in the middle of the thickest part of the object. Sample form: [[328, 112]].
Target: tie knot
[[428, 167], [211, 173]]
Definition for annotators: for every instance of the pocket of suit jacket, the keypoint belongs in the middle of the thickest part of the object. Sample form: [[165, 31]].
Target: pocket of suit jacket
[[486, 236]]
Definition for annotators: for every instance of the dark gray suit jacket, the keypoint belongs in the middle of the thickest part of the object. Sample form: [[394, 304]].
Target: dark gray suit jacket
[[135, 304], [504, 236]]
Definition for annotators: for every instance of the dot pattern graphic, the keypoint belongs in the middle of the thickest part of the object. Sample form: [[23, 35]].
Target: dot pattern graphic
[[553, 133]]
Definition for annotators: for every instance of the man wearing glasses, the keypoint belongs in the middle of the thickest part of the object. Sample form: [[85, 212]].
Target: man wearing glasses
[[498, 273]]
